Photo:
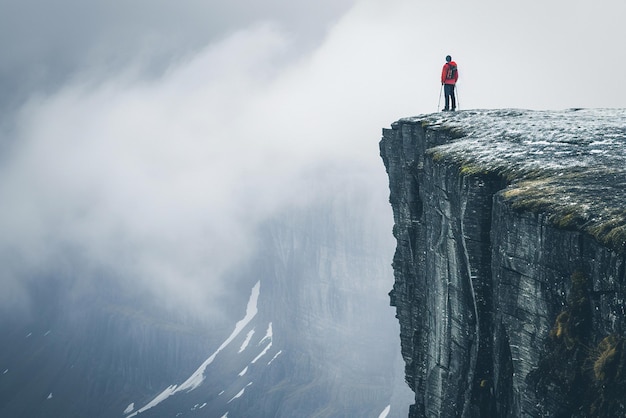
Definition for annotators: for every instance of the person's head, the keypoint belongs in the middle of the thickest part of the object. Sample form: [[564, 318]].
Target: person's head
[[448, 58]]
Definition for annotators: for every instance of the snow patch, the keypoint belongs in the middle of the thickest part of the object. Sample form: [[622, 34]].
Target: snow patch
[[244, 371], [274, 358], [240, 394], [159, 398], [262, 353], [197, 377], [50, 395], [247, 341], [129, 408], [268, 336], [198, 406], [385, 412]]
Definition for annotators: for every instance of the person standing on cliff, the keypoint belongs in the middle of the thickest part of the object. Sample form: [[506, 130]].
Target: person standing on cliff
[[449, 76]]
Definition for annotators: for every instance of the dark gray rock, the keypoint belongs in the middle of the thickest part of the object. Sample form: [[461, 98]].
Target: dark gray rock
[[509, 268]]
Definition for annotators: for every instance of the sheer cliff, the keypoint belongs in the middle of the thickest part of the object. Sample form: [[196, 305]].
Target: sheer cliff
[[509, 267]]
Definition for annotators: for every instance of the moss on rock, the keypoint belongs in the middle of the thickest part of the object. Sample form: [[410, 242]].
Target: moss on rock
[[577, 377]]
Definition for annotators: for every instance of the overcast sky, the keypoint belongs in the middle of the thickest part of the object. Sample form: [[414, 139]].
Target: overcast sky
[[152, 137]]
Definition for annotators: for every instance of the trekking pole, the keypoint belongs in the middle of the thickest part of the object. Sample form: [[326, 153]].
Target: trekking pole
[[439, 102], [458, 102]]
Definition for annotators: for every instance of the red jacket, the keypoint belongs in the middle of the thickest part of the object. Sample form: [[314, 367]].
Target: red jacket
[[444, 73]]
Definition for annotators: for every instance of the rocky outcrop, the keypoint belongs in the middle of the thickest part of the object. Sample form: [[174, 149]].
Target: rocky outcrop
[[509, 268]]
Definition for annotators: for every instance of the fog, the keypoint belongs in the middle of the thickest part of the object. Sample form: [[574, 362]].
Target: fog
[[151, 142]]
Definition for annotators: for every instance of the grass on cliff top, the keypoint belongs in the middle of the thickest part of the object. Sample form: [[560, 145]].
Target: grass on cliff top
[[575, 201]]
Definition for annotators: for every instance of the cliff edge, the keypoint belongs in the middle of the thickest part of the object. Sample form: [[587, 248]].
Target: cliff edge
[[509, 267]]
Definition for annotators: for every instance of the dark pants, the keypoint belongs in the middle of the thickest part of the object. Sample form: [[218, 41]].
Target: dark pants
[[448, 91]]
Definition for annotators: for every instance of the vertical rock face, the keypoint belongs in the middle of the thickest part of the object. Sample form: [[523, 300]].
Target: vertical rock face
[[509, 268]]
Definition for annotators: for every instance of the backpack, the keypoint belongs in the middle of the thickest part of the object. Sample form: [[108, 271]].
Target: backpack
[[451, 72]]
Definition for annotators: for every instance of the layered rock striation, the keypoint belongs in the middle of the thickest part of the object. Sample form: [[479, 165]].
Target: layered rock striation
[[510, 261]]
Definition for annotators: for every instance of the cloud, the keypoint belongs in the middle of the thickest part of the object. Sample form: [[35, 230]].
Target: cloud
[[150, 179], [47, 44], [163, 181]]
